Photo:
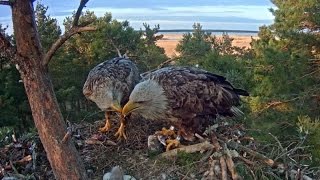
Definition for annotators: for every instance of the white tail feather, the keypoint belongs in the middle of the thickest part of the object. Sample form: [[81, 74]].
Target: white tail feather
[[236, 111]]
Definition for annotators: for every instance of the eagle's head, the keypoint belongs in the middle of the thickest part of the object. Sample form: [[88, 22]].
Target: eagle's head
[[148, 100], [107, 99]]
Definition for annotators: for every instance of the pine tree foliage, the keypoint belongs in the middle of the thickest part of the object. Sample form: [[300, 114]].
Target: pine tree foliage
[[15, 110], [280, 71]]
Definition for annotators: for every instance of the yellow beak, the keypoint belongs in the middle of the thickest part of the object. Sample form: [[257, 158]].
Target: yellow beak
[[116, 106], [129, 107]]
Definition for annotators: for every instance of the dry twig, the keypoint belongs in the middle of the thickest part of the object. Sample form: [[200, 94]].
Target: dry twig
[[255, 154], [188, 149], [231, 168], [223, 168]]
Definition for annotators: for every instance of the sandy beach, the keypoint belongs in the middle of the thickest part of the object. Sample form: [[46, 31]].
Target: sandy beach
[[170, 41]]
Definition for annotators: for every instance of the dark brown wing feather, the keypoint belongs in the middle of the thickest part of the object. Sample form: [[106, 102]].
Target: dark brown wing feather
[[119, 73]]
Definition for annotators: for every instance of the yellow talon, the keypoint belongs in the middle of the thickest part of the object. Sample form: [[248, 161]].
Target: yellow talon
[[107, 126], [172, 143], [166, 132], [120, 133]]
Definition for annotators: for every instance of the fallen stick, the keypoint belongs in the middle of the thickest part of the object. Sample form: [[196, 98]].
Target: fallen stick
[[211, 172], [204, 146], [231, 168], [246, 161], [24, 160], [255, 154], [223, 168]]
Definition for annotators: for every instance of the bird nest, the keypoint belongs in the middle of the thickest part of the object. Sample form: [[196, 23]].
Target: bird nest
[[223, 151]]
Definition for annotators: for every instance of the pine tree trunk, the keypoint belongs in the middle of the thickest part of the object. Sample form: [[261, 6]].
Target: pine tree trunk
[[63, 156]]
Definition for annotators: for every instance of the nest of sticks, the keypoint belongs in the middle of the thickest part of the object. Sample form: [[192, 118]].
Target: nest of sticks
[[224, 151]]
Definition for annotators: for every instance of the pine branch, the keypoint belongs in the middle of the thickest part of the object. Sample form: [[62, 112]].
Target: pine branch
[[73, 30]]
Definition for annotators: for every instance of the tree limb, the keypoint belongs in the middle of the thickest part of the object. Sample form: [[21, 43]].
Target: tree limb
[[8, 3], [62, 39], [74, 30], [78, 13]]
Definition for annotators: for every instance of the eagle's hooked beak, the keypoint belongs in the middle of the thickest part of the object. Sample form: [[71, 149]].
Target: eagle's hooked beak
[[129, 107], [116, 106]]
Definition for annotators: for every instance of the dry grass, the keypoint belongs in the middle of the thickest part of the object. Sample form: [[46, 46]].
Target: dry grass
[[170, 41]]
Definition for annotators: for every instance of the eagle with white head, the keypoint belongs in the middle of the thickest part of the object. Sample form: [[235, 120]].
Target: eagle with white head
[[184, 96]]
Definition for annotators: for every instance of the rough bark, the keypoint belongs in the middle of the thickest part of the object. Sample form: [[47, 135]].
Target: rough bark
[[63, 156]]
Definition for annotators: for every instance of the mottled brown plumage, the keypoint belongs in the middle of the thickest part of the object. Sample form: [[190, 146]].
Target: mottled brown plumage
[[109, 85], [184, 95]]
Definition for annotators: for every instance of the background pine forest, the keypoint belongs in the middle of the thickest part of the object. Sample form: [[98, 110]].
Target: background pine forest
[[281, 71]]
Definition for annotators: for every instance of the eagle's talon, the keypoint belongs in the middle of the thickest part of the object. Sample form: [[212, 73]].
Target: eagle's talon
[[106, 127], [167, 132], [172, 143], [120, 133]]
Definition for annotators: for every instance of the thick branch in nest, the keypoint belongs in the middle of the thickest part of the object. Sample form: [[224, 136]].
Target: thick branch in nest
[[231, 168], [74, 30], [204, 146]]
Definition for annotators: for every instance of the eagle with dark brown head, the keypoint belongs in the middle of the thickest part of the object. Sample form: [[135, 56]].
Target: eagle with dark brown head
[[109, 85], [183, 96]]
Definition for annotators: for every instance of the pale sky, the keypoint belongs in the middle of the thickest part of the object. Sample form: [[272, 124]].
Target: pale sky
[[170, 14]]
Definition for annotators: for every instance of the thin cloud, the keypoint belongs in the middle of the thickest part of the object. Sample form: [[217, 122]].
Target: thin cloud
[[171, 14]]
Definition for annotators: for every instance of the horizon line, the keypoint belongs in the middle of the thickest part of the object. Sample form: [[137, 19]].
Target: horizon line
[[209, 30]]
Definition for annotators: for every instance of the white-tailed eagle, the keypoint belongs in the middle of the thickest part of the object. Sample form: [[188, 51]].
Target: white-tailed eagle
[[184, 96], [109, 85]]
